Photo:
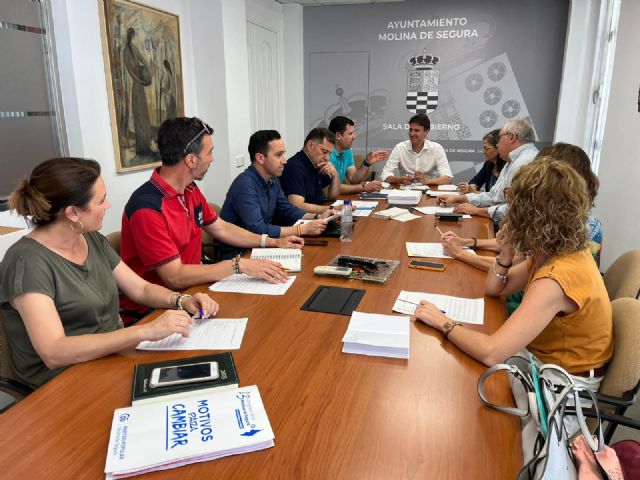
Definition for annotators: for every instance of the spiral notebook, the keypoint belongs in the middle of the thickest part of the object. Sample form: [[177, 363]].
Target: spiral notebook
[[289, 258]]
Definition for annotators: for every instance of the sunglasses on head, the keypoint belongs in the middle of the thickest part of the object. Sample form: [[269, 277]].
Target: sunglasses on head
[[204, 130]]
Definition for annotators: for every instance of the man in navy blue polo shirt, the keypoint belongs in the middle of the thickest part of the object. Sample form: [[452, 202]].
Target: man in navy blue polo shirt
[[255, 200], [309, 178], [163, 220]]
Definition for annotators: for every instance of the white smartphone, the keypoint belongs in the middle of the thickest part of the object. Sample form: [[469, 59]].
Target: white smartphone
[[178, 374]]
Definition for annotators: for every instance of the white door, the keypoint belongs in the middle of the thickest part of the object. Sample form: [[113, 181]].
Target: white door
[[264, 78]]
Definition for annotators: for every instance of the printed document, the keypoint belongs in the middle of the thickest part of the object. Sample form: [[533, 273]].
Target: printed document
[[429, 250], [434, 210], [252, 285], [467, 310], [204, 334], [198, 428]]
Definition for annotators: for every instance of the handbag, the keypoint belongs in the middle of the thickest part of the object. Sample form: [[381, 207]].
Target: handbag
[[542, 395]]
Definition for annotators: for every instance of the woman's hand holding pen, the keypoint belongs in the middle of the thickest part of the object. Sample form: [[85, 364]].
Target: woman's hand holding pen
[[430, 315]]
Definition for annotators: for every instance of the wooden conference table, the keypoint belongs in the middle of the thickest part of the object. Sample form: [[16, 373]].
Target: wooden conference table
[[334, 415]]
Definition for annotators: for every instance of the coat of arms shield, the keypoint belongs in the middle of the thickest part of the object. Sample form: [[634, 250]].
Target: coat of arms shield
[[422, 84]]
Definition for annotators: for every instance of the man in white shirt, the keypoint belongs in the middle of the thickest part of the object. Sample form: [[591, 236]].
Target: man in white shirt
[[515, 145], [417, 159]]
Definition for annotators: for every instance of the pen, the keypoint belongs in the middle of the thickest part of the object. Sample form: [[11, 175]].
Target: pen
[[437, 228], [413, 303]]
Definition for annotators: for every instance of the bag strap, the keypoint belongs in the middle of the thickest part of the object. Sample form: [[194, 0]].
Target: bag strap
[[513, 370]]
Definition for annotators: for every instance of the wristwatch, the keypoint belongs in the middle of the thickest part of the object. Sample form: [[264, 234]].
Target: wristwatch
[[447, 327]]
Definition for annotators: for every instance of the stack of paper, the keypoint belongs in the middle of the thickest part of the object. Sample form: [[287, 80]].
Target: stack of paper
[[377, 335], [396, 213], [176, 432], [467, 310], [245, 284], [289, 258], [429, 250], [405, 197], [447, 188]]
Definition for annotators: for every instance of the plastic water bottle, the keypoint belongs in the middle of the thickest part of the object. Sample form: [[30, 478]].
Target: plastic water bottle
[[346, 222]]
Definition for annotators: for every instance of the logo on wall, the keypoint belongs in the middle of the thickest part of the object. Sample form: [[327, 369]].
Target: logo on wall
[[422, 84]]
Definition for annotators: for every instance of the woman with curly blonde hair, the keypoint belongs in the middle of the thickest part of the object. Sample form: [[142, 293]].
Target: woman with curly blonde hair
[[565, 315]]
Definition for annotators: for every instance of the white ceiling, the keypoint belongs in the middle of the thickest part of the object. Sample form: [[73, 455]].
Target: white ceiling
[[317, 3]]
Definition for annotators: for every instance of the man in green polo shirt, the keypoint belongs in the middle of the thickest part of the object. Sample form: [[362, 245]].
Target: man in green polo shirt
[[342, 159]]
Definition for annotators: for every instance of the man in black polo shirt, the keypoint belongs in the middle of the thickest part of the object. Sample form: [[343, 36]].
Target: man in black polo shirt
[[309, 178]]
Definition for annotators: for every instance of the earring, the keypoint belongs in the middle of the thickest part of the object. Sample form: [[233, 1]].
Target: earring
[[72, 226]]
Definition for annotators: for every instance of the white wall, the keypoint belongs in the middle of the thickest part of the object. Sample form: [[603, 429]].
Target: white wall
[[619, 173], [214, 63]]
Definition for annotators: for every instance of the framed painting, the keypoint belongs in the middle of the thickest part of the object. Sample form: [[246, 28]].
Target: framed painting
[[143, 66]]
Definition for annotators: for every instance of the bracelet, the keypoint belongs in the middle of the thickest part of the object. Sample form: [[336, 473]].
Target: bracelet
[[173, 299], [501, 276], [263, 240], [503, 266], [365, 163], [299, 230], [235, 264], [475, 243], [181, 297], [453, 325]]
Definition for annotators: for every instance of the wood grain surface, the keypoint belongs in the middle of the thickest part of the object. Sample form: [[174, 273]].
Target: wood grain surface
[[334, 415]]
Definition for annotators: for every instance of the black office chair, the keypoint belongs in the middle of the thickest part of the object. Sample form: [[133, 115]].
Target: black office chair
[[11, 390]]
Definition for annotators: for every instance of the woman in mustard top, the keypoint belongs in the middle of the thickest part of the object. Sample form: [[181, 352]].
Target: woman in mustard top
[[565, 315]]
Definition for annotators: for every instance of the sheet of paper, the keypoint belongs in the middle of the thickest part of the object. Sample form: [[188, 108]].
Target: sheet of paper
[[245, 284], [415, 186], [204, 334], [358, 203], [429, 250], [467, 310], [434, 193], [434, 210], [447, 188], [387, 191], [405, 217]]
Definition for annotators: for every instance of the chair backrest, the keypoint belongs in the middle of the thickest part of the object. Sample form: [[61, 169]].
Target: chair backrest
[[622, 278], [208, 243], [6, 370], [115, 240], [623, 373]]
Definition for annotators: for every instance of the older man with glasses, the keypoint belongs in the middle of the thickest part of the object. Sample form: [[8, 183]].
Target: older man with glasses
[[163, 220], [515, 146]]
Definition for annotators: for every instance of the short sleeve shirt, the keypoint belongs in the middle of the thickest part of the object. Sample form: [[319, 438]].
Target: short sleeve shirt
[[160, 225], [342, 162], [85, 296], [300, 177], [582, 340]]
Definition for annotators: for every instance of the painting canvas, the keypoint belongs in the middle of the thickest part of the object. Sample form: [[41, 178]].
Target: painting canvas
[[144, 78]]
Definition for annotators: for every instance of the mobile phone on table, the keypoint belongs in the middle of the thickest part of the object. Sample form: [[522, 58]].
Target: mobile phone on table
[[179, 374], [315, 242], [438, 267]]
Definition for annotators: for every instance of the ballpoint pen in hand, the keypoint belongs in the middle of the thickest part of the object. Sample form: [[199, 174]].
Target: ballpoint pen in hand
[[418, 304]]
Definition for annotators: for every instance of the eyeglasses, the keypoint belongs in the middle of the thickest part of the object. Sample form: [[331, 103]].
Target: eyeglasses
[[205, 129]]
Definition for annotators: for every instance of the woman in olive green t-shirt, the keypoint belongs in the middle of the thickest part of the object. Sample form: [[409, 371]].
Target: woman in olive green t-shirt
[[59, 284]]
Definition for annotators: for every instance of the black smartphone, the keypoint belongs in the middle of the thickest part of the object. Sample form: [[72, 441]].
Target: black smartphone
[[438, 267]]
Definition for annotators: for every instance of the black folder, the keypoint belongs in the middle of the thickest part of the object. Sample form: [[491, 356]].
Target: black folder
[[336, 300]]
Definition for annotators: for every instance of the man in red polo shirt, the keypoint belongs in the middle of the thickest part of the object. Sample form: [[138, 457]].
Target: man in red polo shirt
[[163, 220]]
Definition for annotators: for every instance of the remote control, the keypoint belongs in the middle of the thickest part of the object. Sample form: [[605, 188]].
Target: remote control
[[332, 271]]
